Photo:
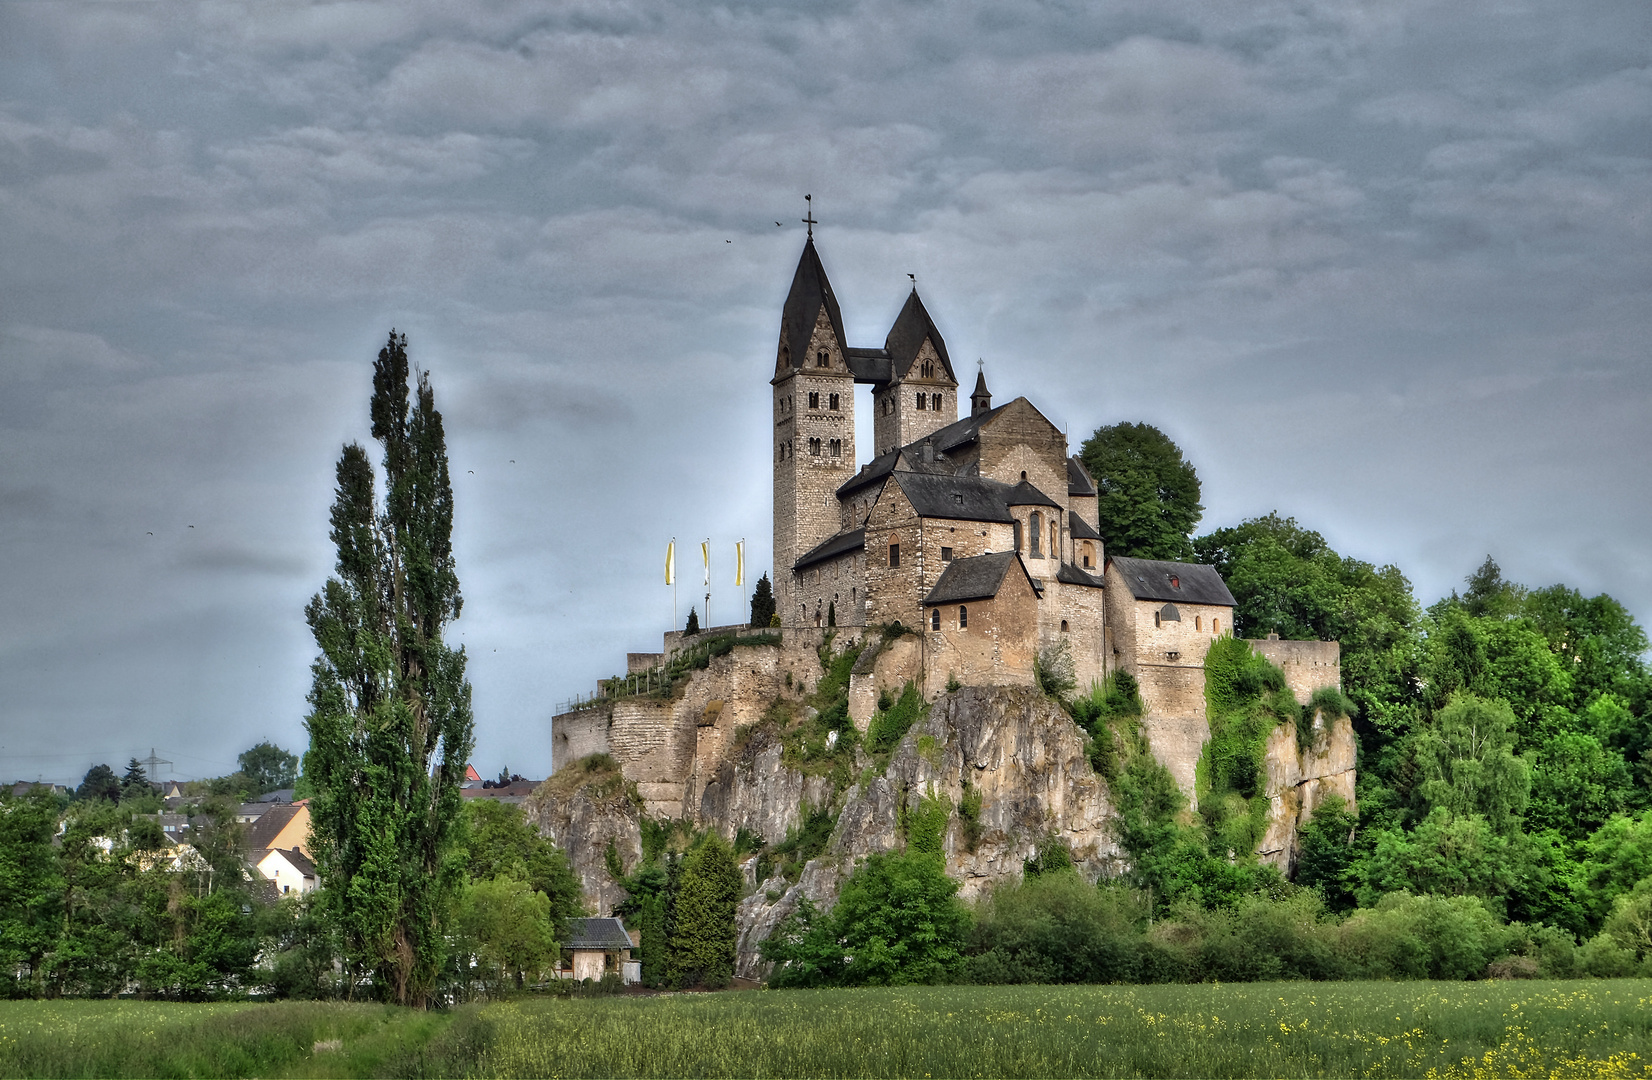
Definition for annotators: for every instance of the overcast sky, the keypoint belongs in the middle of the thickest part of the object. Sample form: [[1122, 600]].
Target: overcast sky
[[1382, 267]]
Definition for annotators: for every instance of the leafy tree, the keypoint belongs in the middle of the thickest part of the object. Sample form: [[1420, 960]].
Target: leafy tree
[[1577, 785], [1326, 853], [693, 626], [1489, 595], [1616, 857], [269, 767], [897, 921], [1148, 493], [100, 782], [390, 723], [762, 602], [1465, 765], [31, 891], [702, 932], [1055, 928], [505, 925], [502, 844], [1597, 637], [648, 897], [1287, 580]]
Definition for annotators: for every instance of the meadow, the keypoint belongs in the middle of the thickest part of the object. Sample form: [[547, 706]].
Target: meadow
[[1416, 1029]]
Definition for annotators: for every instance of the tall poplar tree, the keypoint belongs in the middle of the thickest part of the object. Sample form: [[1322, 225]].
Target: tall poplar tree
[[390, 722]]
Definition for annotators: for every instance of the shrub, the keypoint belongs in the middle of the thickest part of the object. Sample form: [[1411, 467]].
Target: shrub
[[1056, 928]]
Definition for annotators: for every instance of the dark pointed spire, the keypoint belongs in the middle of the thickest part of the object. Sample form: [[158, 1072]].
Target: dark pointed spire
[[906, 337], [980, 400], [810, 291]]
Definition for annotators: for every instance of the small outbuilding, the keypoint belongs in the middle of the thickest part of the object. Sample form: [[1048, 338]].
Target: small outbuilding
[[600, 946]]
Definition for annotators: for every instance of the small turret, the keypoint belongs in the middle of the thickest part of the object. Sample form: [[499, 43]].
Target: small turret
[[980, 400]]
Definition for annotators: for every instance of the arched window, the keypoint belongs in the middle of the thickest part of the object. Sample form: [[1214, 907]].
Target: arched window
[[822, 359], [814, 399], [1017, 527], [935, 618], [963, 617], [832, 403], [935, 402], [1023, 474], [814, 447], [837, 447], [1216, 626], [1156, 622], [1055, 539], [923, 399], [1063, 626], [1037, 535], [1170, 614], [928, 369], [1089, 554]]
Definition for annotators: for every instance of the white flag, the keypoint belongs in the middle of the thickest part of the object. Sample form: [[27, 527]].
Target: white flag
[[705, 553]]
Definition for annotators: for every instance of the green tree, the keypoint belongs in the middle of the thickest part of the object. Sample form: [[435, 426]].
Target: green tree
[[136, 780], [762, 602], [897, 921], [702, 932], [502, 844], [269, 767], [505, 926], [1465, 765], [693, 626], [1577, 785], [100, 782], [390, 722], [1148, 493], [31, 891], [1326, 853], [1489, 595], [1288, 581]]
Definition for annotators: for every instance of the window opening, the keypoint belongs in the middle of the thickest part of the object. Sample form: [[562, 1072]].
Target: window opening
[[935, 402], [934, 618], [894, 556], [1037, 535], [1215, 626], [814, 399], [923, 399], [837, 447], [822, 360], [946, 554], [963, 617], [831, 403], [1197, 621], [1016, 526], [1063, 626], [814, 447]]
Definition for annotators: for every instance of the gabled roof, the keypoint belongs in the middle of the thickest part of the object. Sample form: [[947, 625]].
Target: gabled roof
[[841, 544], [977, 578], [295, 858], [596, 934], [1079, 528], [270, 823], [1024, 494], [873, 471], [810, 291], [1078, 478], [959, 498], [868, 365], [1073, 575], [1151, 579], [906, 337]]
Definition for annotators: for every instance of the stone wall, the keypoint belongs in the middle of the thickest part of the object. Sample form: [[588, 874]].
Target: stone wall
[[998, 646], [1083, 609], [1019, 439], [834, 585], [896, 420], [579, 734], [1308, 665]]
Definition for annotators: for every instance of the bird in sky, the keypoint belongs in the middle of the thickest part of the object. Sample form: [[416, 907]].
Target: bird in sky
[[778, 225], [192, 526], [728, 241], [471, 471]]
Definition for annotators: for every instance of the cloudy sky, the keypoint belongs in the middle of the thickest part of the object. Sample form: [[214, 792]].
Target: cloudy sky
[[1380, 266]]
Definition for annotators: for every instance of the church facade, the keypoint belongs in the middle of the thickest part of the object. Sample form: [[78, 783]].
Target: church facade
[[970, 522]]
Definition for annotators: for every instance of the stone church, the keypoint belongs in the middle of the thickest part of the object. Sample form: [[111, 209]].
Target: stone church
[[976, 527]]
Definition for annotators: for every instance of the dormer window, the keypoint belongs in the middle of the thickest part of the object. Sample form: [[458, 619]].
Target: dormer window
[[1175, 582]]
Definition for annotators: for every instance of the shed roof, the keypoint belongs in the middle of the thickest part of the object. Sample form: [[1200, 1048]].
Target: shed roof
[[841, 544], [602, 934], [1151, 579], [1080, 528], [1072, 575], [1024, 494], [976, 578]]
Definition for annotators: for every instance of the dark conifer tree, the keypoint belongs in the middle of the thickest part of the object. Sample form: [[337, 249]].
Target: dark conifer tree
[[693, 626], [762, 602], [390, 722]]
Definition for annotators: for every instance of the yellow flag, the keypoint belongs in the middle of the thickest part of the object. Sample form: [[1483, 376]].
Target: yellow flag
[[705, 553], [671, 563], [740, 563]]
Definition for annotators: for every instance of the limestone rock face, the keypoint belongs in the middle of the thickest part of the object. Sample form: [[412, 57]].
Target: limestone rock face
[[1299, 780], [582, 823], [1013, 746], [756, 793]]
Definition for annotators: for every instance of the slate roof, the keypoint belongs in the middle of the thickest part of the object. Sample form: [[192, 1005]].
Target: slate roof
[[906, 337], [596, 934], [1078, 478], [1080, 528], [1024, 494], [810, 290], [1150, 579], [844, 542], [295, 858], [869, 365], [960, 498], [976, 578], [1073, 575]]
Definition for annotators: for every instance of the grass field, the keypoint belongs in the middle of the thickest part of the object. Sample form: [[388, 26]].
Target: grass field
[[1515, 1029]]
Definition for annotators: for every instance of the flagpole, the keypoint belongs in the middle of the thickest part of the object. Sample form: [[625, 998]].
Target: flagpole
[[705, 549]]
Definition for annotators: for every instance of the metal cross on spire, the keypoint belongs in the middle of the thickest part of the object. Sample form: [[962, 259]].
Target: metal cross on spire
[[809, 215]]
